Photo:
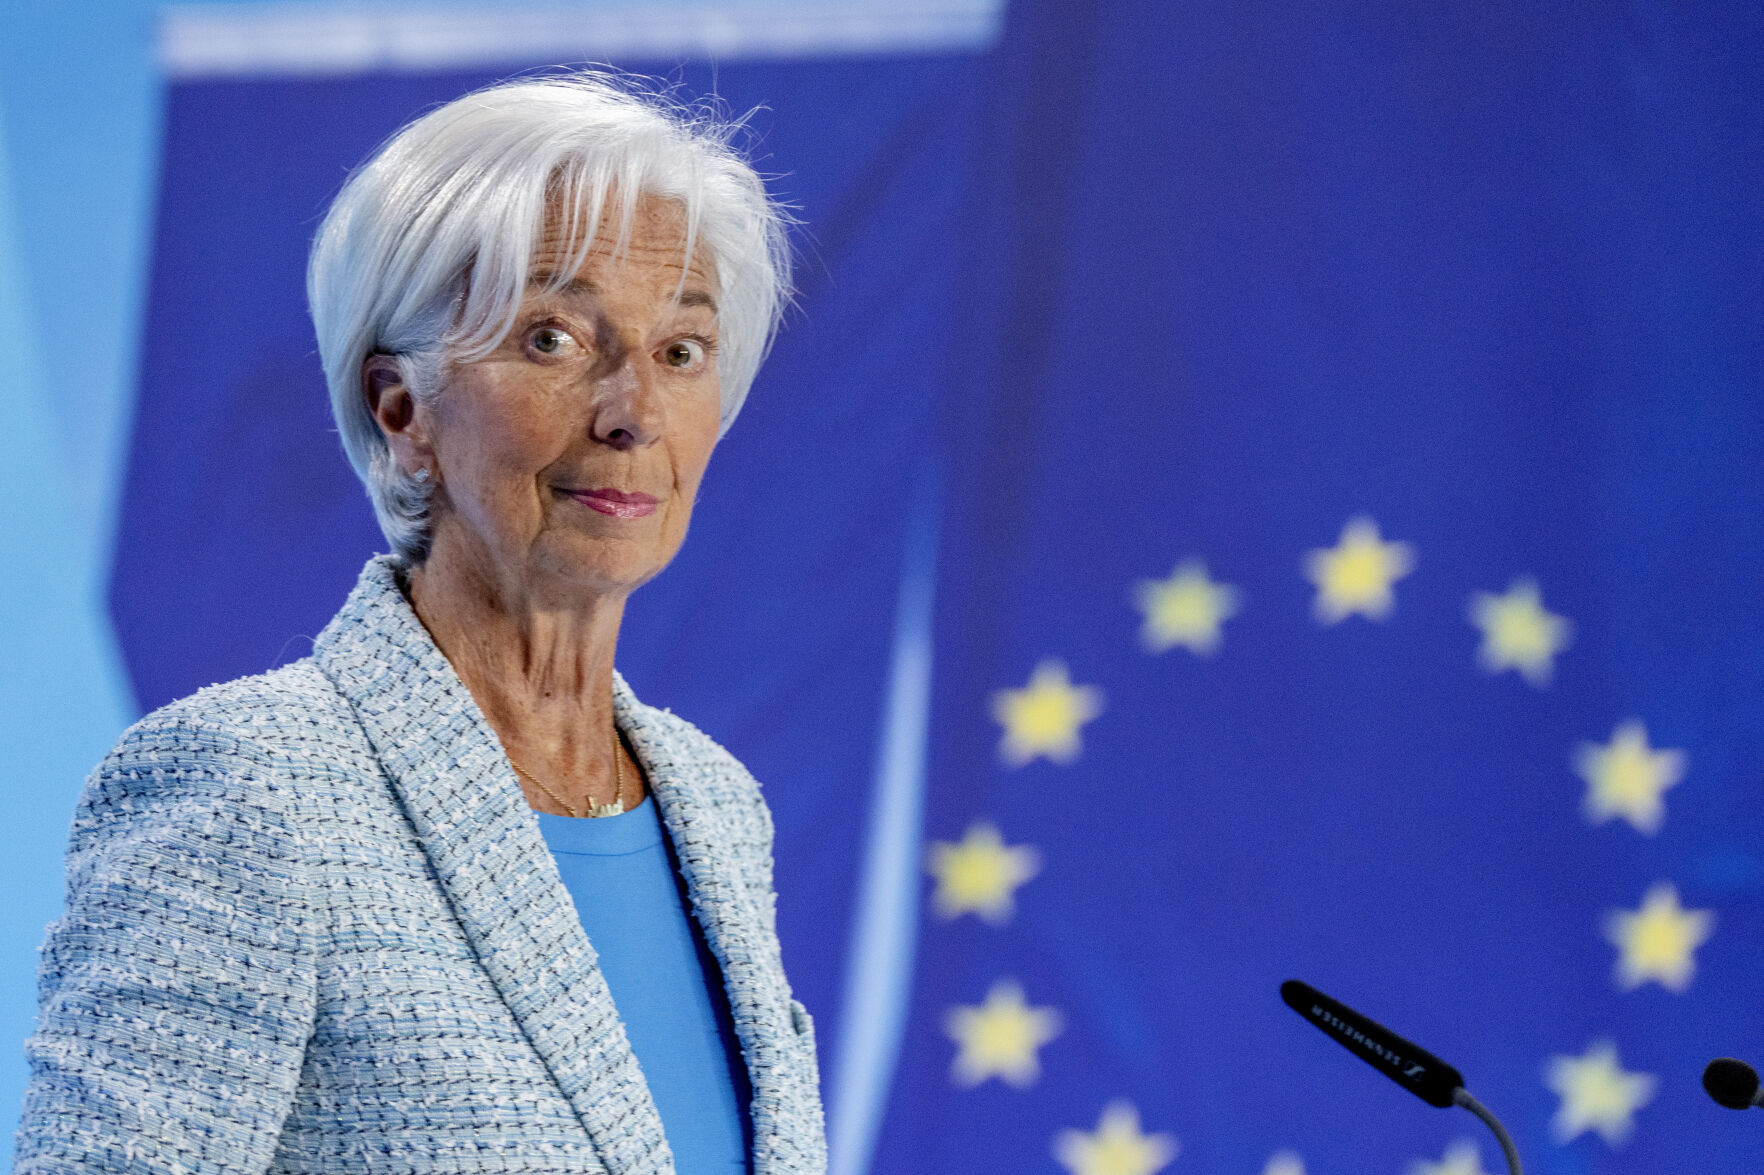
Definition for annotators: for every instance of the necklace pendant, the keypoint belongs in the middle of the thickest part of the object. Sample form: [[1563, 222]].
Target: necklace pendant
[[615, 808]]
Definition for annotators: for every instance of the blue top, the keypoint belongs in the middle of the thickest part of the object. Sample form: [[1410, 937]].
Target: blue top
[[665, 982]]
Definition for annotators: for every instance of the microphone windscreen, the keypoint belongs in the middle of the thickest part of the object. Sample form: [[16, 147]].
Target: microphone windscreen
[[1732, 1083], [1404, 1062]]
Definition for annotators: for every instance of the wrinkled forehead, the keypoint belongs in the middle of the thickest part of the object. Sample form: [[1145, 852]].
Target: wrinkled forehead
[[652, 234]]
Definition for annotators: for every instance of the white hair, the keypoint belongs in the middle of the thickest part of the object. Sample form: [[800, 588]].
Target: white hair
[[425, 253]]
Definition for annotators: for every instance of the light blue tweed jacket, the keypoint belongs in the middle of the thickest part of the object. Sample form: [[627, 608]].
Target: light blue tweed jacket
[[312, 927]]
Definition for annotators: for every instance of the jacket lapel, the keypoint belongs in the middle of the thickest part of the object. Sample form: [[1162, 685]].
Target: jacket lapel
[[736, 926], [484, 843]]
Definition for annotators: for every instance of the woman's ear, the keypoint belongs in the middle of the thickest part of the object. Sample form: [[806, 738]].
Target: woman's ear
[[397, 413]]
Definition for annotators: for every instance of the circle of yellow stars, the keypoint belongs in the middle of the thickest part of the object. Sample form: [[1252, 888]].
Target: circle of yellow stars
[[1188, 609]]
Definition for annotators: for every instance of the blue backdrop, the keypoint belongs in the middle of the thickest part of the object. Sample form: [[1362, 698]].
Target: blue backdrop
[[1345, 428]]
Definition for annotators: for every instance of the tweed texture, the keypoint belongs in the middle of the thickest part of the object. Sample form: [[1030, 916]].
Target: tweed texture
[[312, 926]]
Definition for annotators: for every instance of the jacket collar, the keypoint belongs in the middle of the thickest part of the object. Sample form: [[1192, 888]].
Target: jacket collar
[[480, 835], [735, 919]]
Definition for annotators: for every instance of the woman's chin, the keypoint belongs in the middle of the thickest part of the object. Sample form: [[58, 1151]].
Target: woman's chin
[[601, 565]]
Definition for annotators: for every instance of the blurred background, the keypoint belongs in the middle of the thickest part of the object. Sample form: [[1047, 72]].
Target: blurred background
[[1243, 494]]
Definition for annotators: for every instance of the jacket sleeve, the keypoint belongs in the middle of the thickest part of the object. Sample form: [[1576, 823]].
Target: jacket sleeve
[[176, 994]]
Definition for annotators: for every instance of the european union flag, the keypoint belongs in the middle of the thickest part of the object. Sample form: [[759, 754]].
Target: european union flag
[[1351, 544]]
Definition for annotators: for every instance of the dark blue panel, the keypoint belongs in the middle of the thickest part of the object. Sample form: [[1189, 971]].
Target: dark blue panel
[[1487, 274]]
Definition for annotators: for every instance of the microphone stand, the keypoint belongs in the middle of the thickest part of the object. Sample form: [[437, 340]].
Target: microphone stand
[[1461, 1097]]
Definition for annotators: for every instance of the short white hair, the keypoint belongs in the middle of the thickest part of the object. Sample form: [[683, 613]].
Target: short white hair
[[425, 253]]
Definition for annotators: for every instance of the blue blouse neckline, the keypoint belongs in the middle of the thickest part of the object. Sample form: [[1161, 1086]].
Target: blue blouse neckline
[[604, 836]]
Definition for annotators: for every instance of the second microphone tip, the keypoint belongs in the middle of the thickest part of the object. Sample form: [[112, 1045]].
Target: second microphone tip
[[1731, 1083]]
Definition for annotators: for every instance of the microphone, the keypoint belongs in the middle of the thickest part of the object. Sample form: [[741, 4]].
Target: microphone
[[1407, 1063], [1732, 1083]]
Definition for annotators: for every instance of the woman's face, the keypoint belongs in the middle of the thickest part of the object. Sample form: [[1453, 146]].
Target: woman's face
[[570, 457]]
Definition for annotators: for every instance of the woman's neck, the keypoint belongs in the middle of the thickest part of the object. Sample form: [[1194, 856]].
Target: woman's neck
[[540, 669]]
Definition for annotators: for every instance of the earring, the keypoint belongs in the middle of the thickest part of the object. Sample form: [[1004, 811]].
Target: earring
[[421, 475]]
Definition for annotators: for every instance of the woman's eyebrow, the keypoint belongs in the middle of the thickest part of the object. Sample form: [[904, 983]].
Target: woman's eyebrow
[[582, 288], [576, 287], [698, 298]]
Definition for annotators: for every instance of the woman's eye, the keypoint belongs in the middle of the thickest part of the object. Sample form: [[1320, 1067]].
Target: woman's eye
[[685, 353], [549, 340]]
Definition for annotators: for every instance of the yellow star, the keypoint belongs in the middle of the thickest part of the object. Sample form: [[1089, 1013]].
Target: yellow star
[[1117, 1147], [1627, 779], [1187, 609], [999, 1038], [1043, 717], [1355, 575], [1285, 1163], [1656, 941], [1597, 1094], [1461, 1158], [981, 874], [1517, 633]]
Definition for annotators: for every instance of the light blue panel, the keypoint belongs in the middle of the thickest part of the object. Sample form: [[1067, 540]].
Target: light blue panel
[[78, 148], [82, 95], [885, 929], [60, 702]]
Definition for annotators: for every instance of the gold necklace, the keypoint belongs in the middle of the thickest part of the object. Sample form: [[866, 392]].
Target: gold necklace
[[615, 808]]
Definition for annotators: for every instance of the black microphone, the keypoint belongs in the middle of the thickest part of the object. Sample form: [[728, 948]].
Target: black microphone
[[1732, 1083], [1403, 1061]]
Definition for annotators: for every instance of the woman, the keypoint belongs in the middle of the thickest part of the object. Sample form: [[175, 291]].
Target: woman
[[314, 922]]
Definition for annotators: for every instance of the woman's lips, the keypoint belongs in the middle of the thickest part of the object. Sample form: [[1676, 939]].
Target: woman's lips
[[617, 503]]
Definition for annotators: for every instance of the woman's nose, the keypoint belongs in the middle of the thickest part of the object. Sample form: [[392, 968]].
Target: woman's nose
[[628, 410]]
